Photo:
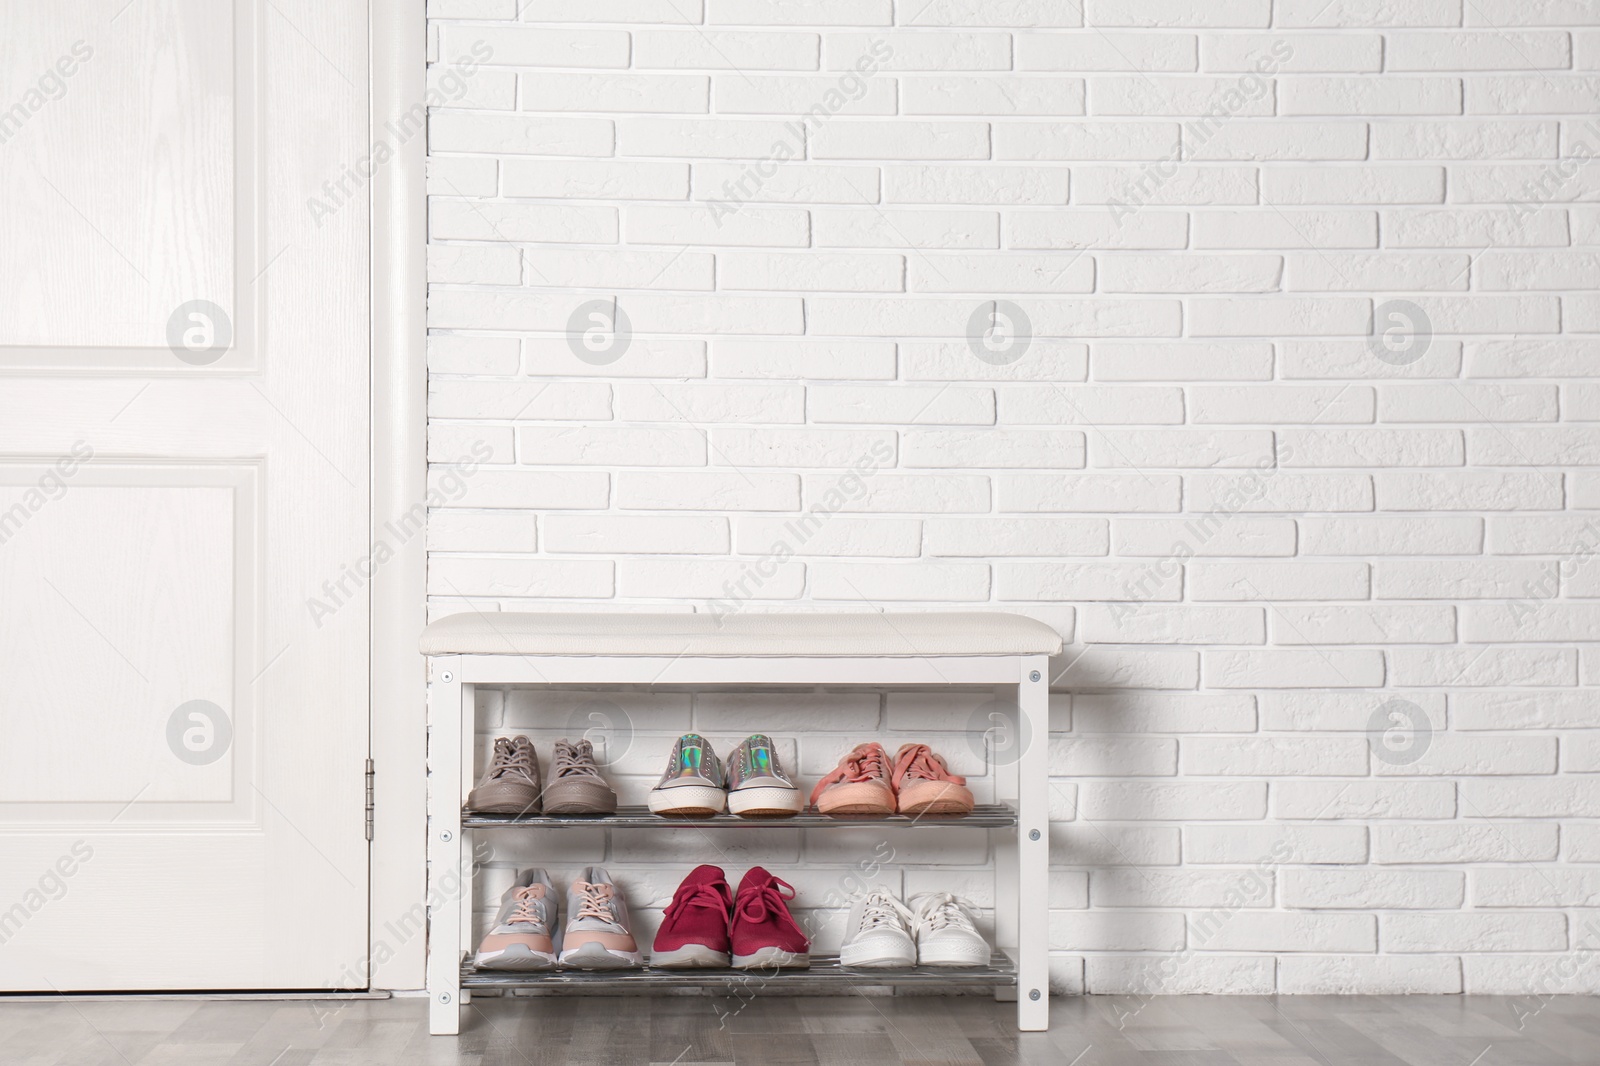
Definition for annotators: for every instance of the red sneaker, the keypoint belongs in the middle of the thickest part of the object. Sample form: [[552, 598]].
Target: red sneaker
[[764, 933], [694, 929]]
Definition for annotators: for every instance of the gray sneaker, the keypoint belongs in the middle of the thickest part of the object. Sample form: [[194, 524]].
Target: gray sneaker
[[757, 785], [576, 786], [522, 937], [693, 785], [599, 935], [511, 784]]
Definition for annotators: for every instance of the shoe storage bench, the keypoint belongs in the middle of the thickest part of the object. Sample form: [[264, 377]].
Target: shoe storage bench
[[870, 649]]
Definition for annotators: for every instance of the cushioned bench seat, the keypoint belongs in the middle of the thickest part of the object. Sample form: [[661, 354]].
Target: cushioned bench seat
[[834, 634]]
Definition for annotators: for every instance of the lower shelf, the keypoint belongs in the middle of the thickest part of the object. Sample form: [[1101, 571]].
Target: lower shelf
[[825, 972]]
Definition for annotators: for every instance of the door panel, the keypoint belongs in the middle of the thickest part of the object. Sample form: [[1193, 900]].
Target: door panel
[[153, 95], [184, 440]]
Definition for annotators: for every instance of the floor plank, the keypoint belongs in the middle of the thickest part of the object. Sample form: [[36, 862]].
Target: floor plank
[[812, 1031]]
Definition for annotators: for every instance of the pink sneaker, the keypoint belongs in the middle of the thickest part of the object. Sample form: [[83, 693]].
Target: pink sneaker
[[859, 785], [925, 785]]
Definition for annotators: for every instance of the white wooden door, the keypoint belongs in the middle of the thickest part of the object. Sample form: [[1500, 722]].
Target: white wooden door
[[183, 494]]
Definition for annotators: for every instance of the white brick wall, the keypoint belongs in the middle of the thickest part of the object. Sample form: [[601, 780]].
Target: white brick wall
[[1254, 533]]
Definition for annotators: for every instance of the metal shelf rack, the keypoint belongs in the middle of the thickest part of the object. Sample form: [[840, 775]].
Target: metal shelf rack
[[864, 649]]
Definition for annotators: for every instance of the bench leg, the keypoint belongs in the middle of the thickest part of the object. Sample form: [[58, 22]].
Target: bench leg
[[449, 705], [1032, 899], [1003, 746]]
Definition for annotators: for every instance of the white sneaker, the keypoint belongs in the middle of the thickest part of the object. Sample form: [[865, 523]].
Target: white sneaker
[[880, 932], [945, 933]]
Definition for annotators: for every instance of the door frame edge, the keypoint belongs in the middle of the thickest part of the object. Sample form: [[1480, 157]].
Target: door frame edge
[[397, 715]]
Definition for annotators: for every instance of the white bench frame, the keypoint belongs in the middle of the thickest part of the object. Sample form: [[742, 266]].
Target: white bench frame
[[1022, 856]]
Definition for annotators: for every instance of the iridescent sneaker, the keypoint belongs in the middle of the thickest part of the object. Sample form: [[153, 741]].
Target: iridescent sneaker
[[511, 783], [522, 935], [757, 785], [693, 785], [576, 786], [599, 935]]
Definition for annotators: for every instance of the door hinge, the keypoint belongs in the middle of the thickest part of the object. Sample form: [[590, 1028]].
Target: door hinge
[[370, 802]]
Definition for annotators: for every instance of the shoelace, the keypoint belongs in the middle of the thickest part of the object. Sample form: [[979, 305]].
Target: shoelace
[[597, 901], [770, 899], [706, 894], [882, 909], [940, 910], [866, 762], [527, 909], [573, 760], [918, 761], [511, 757]]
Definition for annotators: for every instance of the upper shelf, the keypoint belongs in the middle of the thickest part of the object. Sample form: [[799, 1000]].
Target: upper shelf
[[984, 816]]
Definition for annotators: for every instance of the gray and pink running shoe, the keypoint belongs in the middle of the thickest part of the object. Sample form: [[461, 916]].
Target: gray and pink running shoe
[[523, 934], [599, 935]]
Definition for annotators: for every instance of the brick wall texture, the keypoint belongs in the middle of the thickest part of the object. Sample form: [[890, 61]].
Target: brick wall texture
[[1253, 344]]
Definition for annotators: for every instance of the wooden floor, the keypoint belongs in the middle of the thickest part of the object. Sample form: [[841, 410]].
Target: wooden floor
[[1087, 1031]]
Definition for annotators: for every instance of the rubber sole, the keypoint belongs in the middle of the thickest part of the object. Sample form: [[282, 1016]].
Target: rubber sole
[[688, 801], [870, 956], [953, 951], [856, 799], [939, 806], [857, 810], [953, 959], [934, 797], [772, 959], [599, 957], [766, 802], [517, 958], [517, 799], [580, 797], [690, 957]]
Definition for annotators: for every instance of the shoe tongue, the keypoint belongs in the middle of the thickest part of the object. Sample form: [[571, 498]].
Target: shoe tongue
[[760, 749]]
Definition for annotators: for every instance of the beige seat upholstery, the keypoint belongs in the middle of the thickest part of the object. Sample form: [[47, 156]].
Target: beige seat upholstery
[[863, 634]]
